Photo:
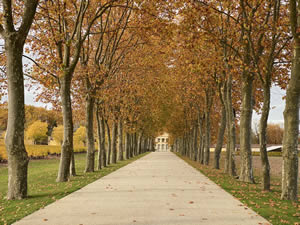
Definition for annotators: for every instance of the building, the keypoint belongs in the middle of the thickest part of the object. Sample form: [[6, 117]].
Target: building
[[162, 143]]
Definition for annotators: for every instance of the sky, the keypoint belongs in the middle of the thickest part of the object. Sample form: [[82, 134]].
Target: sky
[[277, 107]]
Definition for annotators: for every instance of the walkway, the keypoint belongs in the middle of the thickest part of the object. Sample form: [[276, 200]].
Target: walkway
[[158, 189]]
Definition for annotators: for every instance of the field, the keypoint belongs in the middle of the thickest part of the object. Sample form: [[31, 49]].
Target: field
[[267, 204], [38, 151], [43, 189], [275, 164]]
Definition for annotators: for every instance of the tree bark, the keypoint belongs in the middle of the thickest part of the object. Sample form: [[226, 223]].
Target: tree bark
[[246, 174], [127, 145], [99, 158], [263, 137], [108, 143], [90, 155], [101, 140], [220, 139], [131, 146], [200, 146], [120, 140], [72, 165], [139, 144], [291, 128], [67, 145], [14, 139], [103, 149], [207, 127], [231, 168], [114, 142]]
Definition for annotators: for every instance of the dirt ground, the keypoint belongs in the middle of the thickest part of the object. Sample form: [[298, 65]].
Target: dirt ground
[[275, 164]]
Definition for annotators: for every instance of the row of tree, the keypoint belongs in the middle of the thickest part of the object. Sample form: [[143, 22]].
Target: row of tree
[[80, 52], [146, 66], [230, 54]]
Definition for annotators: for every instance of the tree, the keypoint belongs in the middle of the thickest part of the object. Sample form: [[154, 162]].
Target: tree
[[68, 25], [274, 134], [37, 132], [14, 39], [3, 116], [80, 136], [58, 133], [291, 114]]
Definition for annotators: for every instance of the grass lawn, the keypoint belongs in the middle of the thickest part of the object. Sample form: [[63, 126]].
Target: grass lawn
[[266, 204], [43, 189]]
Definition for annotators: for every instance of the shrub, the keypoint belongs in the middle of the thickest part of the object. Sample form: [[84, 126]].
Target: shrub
[[37, 132], [58, 134], [80, 136]]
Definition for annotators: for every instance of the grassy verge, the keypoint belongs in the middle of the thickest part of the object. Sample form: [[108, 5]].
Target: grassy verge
[[266, 204], [43, 189]]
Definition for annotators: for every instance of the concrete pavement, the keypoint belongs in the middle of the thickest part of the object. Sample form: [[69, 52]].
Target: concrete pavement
[[158, 189]]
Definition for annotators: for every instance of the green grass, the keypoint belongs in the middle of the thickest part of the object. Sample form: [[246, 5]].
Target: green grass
[[42, 188], [266, 204]]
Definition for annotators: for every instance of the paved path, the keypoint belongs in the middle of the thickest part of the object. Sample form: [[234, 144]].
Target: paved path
[[158, 189]]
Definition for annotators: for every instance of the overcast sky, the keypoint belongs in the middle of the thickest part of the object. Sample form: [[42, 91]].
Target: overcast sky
[[277, 107]]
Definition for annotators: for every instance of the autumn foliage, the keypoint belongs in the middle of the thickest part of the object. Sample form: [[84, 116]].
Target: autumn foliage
[[129, 70]]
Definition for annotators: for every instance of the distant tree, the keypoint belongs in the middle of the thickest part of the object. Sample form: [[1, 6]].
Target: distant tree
[[274, 134], [33, 113], [3, 117], [80, 136], [37, 131], [57, 134]]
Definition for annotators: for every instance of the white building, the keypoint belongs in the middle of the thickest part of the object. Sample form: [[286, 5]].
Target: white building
[[162, 143]]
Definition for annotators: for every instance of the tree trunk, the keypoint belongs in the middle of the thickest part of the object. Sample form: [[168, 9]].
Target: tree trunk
[[220, 139], [135, 144], [67, 146], [291, 130], [72, 165], [114, 142], [183, 150], [231, 169], [263, 137], [139, 144], [120, 140], [192, 144], [14, 139], [103, 150], [108, 142], [200, 146], [90, 154], [131, 146], [246, 173], [99, 165], [207, 128], [127, 145]]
